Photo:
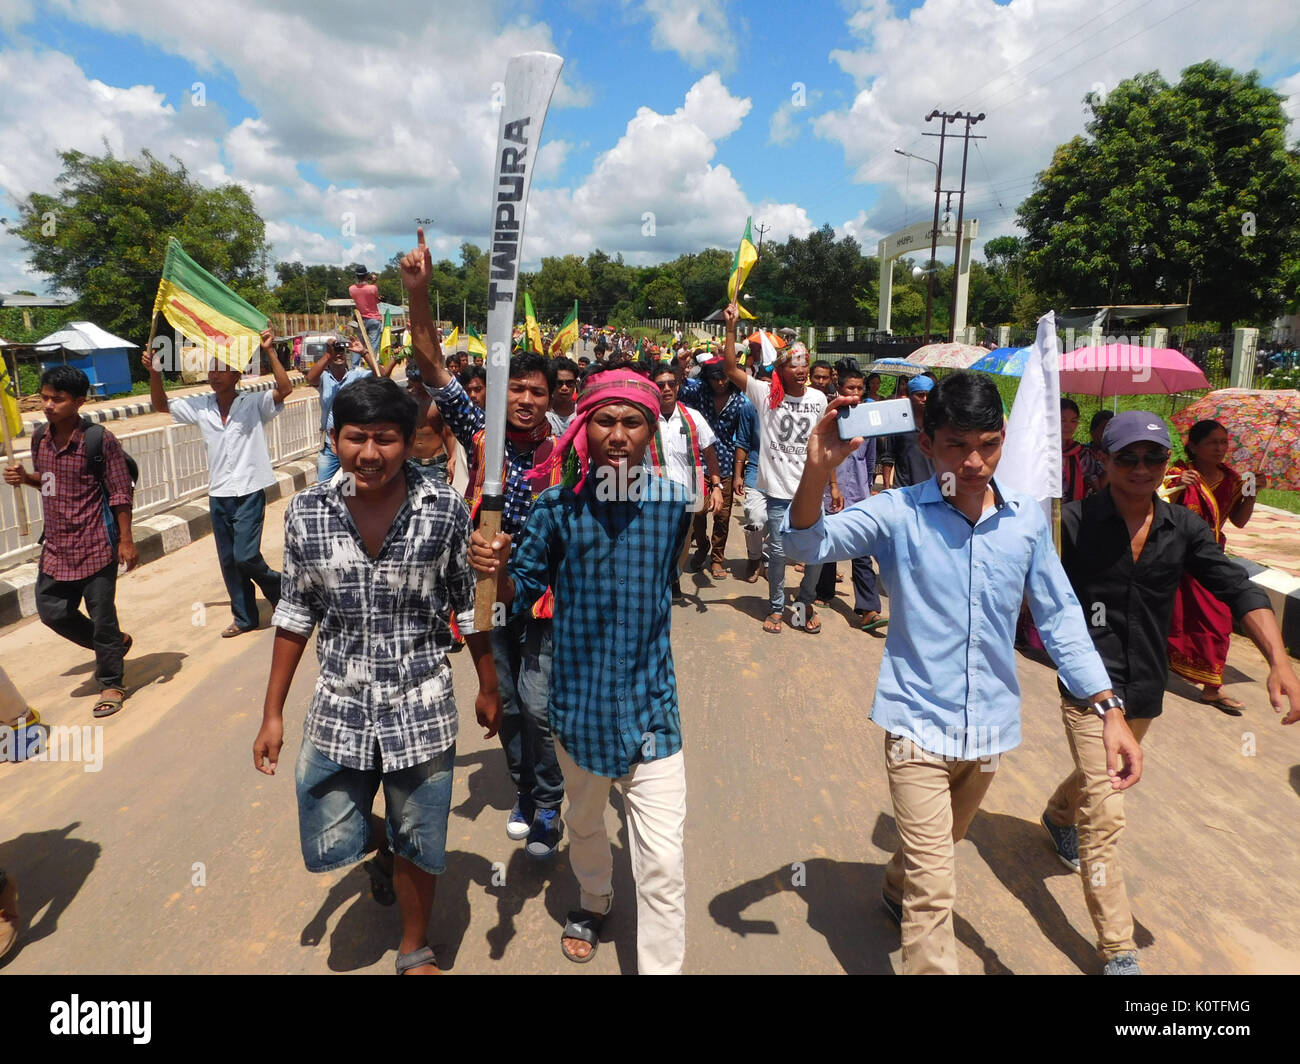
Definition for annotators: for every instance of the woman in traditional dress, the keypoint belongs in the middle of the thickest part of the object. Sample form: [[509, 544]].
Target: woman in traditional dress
[[1202, 625]]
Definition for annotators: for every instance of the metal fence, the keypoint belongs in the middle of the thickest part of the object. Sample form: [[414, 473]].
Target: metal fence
[[173, 465]]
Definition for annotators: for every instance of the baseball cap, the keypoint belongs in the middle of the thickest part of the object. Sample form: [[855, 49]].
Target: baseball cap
[[1134, 426], [920, 383]]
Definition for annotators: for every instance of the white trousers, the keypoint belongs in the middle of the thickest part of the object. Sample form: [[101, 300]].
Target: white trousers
[[654, 795]]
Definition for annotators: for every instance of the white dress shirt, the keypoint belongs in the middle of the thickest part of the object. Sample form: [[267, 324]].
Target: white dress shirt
[[238, 461], [678, 464]]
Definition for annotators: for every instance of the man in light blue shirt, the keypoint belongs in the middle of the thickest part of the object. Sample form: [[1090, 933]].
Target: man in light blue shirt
[[959, 557]]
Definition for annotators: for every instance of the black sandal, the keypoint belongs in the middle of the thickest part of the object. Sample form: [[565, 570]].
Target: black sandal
[[585, 927]]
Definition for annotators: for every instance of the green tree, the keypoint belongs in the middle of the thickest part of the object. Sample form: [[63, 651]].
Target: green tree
[[660, 298], [825, 276], [1183, 193], [102, 236], [558, 284]]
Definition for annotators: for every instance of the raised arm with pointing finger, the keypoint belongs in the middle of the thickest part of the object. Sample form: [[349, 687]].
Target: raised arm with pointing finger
[[417, 268]]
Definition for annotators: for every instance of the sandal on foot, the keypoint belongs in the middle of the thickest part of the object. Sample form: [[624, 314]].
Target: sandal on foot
[[772, 623], [717, 572], [381, 881], [869, 622], [414, 959], [585, 927], [1227, 705], [233, 630], [107, 705], [813, 625]]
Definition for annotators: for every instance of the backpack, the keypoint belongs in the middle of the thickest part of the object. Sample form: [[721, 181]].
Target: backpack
[[94, 433]]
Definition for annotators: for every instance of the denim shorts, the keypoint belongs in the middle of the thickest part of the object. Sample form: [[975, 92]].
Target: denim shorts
[[334, 806]]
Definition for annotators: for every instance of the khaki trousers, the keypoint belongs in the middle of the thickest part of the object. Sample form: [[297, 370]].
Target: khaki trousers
[[1086, 799], [934, 803], [654, 795]]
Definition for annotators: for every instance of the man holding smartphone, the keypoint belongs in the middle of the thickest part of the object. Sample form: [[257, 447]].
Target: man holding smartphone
[[958, 557]]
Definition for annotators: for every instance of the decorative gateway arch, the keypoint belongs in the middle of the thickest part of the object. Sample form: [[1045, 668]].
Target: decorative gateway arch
[[917, 238]]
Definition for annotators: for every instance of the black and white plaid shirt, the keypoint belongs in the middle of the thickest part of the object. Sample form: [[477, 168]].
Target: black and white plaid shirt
[[384, 679]]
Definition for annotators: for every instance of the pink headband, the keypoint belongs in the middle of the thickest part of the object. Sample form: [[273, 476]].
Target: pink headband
[[601, 389]]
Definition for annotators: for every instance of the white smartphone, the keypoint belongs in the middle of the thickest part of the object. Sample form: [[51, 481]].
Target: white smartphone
[[883, 418]]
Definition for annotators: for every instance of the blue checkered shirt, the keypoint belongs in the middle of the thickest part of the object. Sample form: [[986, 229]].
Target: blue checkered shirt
[[383, 625], [466, 420], [613, 699], [724, 423]]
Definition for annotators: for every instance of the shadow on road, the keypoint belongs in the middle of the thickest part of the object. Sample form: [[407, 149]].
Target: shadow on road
[[140, 673], [1295, 778], [49, 868], [489, 786]]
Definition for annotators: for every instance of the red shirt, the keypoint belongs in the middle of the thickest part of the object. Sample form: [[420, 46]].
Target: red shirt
[[366, 297], [77, 543]]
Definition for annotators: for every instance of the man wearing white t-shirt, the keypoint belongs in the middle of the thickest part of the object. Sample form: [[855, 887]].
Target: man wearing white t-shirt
[[788, 411], [239, 472], [683, 446]]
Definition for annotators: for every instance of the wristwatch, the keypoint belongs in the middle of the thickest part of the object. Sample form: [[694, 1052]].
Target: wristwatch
[[1113, 702]]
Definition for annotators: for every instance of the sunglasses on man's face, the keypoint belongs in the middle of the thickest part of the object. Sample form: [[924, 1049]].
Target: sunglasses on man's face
[[1150, 459]]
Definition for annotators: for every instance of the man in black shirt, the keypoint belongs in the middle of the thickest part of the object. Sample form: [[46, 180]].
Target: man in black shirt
[[1125, 551], [901, 460]]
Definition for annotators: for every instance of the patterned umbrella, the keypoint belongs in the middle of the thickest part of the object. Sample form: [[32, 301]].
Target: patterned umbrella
[[1005, 362], [1263, 431], [947, 356], [893, 367]]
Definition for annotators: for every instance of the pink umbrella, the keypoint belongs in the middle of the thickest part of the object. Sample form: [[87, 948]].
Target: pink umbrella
[[1129, 369]]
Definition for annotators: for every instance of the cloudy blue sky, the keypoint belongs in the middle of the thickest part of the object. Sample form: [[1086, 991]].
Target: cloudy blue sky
[[700, 111]]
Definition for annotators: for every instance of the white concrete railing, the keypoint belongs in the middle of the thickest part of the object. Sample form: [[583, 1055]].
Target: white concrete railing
[[173, 465]]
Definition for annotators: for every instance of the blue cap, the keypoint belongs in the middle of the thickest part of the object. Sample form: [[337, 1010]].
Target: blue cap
[[920, 383], [1134, 426]]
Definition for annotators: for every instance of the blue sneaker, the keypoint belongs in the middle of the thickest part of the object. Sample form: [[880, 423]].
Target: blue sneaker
[[1122, 964], [545, 834], [1066, 843], [521, 819]]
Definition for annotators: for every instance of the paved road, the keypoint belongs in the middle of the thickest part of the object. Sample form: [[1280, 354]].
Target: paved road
[[788, 826]]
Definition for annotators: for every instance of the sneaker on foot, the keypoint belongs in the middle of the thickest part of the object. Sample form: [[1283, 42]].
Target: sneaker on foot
[[894, 908], [1122, 964], [1066, 843], [521, 819], [545, 834]]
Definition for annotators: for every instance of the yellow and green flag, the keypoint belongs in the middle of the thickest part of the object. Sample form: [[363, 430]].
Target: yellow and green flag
[[207, 313], [9, 400], [530, 326], [449, 342], [568, 334], [746, 256], [474, 343], [385, 351]]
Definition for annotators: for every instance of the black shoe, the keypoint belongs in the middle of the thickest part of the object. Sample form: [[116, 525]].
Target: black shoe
[[1066, 843]]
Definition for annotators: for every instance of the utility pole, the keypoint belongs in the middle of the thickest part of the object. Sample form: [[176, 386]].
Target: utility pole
[[946, 120], [761, 230]]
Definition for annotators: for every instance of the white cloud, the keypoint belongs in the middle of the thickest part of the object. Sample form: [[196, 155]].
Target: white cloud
[[1027, 64], [697, 30], [658, 192]]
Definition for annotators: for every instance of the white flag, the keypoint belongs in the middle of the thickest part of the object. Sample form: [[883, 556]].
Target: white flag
[[769, 348], [1031, 456]]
